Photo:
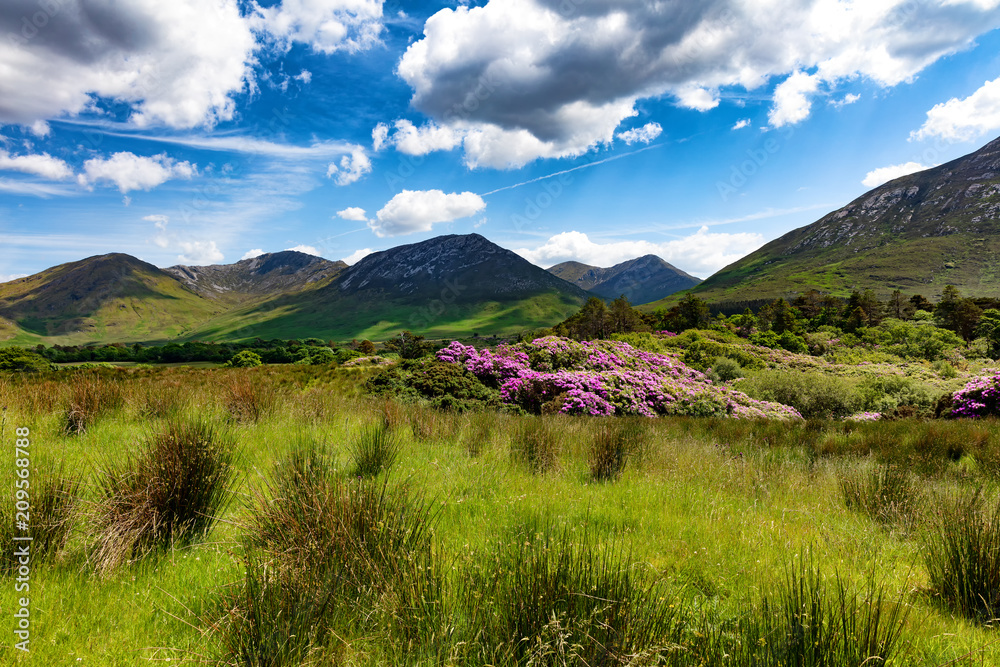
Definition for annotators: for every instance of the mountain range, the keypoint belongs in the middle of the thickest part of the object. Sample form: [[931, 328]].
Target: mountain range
[[641, 280]]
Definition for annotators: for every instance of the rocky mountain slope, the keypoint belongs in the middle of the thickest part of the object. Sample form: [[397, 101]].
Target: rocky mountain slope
[[917, 234], [266, 275]]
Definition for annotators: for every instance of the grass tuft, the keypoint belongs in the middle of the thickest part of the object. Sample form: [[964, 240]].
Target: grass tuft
[[90, 398], [536, 444], [375, 449], [54, 498], [615, 440], [247, 400], [962, 554], [170, 493], [885, 493]]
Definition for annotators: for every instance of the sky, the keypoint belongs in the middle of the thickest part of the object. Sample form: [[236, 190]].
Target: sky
[[209, 131]]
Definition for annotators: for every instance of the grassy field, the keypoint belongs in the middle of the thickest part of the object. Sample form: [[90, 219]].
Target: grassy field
[[362, 532]]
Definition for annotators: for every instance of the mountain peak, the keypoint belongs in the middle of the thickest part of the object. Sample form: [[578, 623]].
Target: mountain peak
[[641, 280]]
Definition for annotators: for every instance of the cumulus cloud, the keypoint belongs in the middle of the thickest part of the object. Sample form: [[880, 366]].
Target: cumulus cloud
[[250, 254], [129, 171], [414, 140], [177, 63], [352, 167], [700, 254], [326, 26], [200, 253], [527, 79], [740, 124], [40, 129], [380, 136], [964, 119], [43, 165], [357, 256], [419, 210], [850, 98], [882, 175], [353, 213], [792, 99], [643, 135], [307, 249]]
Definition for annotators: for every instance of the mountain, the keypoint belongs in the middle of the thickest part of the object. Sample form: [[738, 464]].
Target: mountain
[[916, 234], [641, 280], [111, 297], [266, 275], [445, 286]]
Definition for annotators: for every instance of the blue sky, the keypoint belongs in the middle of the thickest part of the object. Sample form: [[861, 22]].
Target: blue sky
[[204, 131]]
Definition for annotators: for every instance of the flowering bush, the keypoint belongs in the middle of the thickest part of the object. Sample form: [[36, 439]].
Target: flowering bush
[[979, 398], [865, 417], [554, 374]]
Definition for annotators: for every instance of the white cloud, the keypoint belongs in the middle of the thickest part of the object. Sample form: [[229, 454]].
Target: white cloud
[[199, 253], [160, 222], [740, 124], [700, 254], [305, 76], [325, 25], [964, 119], [307, 249], [791, 99], [43, 190], [418, 211], [414, 140], [250, 254], [850, 98], [644, 134], [882, 175], [380, 136], [177, 63], [357, 256], [43, 165], [527, 79], [353, 213], [133, 172], [40, 129], [352, 167]]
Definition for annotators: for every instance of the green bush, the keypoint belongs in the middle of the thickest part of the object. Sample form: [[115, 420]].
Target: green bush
[[443, 385], [725, 369], [19, 360], [245, 359], [812, 394]]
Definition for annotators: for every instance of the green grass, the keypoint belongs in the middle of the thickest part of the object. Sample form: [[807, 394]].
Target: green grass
[[713, 516]]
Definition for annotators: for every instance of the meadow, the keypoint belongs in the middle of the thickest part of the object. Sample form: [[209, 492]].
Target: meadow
[[278, 515]]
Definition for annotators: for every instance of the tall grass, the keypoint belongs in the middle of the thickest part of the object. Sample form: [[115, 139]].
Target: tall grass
[[247, 399], [374, 449], [169, 493], [54, 499], [536, 443], [615, 441], [90, 397], [962, 554], [547, 598], [885, 493]]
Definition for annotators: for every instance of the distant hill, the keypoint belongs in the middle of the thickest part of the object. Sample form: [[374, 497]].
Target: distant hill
[[916, 234], [269, 274], [111, 297], [448, 285], [641, 280]]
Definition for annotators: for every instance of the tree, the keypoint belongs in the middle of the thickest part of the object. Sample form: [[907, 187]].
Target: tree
[[777, 316], [694, 312], [958, 314], [366, 347], [898, 306], [622, 317], [989, 328], [593, 320], [409, 345], [919, 302], [245, 359]]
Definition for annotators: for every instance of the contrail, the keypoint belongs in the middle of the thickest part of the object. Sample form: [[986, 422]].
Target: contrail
[[567, 171]]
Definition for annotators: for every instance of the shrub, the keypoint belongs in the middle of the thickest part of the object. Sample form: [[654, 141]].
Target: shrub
[[726, 369], [245, 359], [444, 385], [962, 554], [542, 598], [19, 360], [978, 398], [812, 394], [170, 493], [374, 449]]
